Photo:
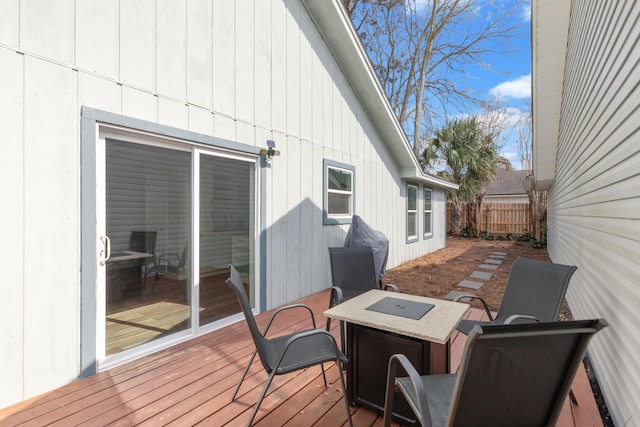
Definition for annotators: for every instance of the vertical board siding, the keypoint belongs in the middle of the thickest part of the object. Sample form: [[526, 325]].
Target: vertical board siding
[[13, 219], [242, 71], [593, 204]]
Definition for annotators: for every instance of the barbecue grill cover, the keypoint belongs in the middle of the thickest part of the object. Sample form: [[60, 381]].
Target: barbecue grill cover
[[361, 234]]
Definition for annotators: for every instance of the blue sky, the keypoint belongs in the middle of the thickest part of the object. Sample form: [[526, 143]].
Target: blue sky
[[510, 78]]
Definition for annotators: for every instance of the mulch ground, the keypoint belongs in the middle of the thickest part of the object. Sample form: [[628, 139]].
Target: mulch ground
[[437, 273]]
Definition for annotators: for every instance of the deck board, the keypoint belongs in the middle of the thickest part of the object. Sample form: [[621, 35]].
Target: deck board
[[191, 384]]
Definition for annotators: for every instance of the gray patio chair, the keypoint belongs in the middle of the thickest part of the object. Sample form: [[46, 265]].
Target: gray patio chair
[[509, 375], [533, 293], [286, 353], [352, 273]]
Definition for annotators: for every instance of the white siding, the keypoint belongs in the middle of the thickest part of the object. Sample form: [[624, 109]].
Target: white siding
[[594, 220], [244, 71], [13, 220]]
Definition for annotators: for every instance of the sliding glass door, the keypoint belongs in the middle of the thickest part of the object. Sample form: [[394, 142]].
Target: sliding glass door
[[171, 210], [226, 232]]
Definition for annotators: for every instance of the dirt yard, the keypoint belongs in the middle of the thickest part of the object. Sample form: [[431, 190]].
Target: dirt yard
[[437, 273]]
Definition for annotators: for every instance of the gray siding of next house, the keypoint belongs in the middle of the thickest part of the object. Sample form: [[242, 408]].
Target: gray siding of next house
[[594, 215]]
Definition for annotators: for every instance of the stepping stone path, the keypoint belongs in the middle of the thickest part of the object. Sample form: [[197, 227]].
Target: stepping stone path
[[493, 261], [470, 284]]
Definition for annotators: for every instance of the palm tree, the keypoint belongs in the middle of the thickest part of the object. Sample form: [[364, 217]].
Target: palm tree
[[464, 154]]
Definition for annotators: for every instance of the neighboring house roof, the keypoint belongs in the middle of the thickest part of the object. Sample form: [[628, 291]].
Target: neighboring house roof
[[508, 183], [335, 26], [549, 35]]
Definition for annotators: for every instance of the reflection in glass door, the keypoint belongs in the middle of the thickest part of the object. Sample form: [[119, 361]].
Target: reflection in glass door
[[148, 224], [227, 218]]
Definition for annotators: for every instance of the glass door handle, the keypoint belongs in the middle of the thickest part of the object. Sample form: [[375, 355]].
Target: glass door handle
[[105, 251]]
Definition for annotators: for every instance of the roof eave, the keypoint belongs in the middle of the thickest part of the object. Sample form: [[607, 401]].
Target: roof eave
[[335, 26], [549, 35]]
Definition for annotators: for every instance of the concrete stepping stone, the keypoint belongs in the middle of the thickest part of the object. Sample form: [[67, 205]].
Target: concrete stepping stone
[[489, 266], [492, 261], [499, 253], [482, 275], [453, 294], [470, 284]]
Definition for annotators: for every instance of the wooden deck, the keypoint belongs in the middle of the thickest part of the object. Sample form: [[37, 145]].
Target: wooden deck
[[191, 383]]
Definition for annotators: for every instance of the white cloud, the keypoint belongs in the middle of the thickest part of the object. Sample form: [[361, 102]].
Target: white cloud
[[525, 14], [518, 88]]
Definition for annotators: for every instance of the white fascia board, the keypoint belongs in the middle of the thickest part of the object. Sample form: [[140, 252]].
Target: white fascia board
[[342, 39], [549, 36], [423, 178]]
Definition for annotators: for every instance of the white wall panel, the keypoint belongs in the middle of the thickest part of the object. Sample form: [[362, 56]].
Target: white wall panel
[[244, 61], [246, 134], [224, 57], [97, 92], [316, 75], [138, 43], [279, 66], [9, 20], [51, 215], [173, 113], [139, 104], [294, 218], [224, 127], [293, 66], [306, 78], [46, 29], [97, 51], [277, 233], [171, 40], [262, 65], [200, 54], [200, 120], [12, 225]]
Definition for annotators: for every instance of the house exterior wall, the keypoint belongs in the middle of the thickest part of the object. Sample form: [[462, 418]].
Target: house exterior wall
[[593, 216], [243, 71]]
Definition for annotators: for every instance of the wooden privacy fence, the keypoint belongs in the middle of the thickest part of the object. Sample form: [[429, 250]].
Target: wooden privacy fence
[[500, 219]]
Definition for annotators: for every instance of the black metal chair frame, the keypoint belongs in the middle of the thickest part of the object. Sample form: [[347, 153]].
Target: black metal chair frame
[[287, 353], [534, 292], [340, 258], [482, 393]]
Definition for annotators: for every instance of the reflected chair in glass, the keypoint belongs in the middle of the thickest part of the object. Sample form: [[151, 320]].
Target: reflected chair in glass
[[173, 266]]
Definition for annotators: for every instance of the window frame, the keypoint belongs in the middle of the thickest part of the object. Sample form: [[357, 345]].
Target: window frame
[[427, 233], [412, 212], [333, 219]]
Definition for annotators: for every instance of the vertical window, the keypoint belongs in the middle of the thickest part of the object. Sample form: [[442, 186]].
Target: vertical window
[[412, 212], [427, 226], [338, 192]]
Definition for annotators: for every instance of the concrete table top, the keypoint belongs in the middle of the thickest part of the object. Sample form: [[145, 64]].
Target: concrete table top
[[435, 326]]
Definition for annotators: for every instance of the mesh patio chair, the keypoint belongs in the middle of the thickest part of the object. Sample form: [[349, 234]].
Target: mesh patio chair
[[352, 273], [534, 292], [287, 353], [509, 375]]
